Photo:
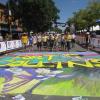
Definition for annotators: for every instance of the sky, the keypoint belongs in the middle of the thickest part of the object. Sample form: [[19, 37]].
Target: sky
[[3, 1]]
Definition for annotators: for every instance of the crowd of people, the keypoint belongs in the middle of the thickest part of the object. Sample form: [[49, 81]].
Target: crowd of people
[[49, 42]]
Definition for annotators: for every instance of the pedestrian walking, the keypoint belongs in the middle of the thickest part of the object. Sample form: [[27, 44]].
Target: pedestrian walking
[[34, 39]]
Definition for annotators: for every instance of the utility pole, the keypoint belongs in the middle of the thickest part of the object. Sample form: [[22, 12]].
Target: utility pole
[[9, 19]]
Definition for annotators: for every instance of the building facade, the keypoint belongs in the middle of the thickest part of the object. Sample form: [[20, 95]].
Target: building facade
[[8, 25]]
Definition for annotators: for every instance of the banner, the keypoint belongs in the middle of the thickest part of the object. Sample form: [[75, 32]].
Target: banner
[[15, 44], [10, 45], [19, 43], [2, 46], [95, 42]]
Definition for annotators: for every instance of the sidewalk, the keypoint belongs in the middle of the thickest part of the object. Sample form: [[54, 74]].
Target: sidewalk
[[28, 96], [81, 41], [77, 48], [92, 49], [96, 50]]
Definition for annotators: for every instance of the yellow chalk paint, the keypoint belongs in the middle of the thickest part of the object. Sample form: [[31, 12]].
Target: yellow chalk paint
[[96, 62], [16, 63], [2, 80], [72, 64], [50, 57], [59, 65], [23, 88], [40, 64]]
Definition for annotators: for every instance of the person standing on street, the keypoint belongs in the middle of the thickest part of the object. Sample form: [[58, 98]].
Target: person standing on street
[[44, 39], [51, 42], [39, 42], [62, 42], [24, 40], [68, 38], [88, 38], [73, 40], [30, 43]]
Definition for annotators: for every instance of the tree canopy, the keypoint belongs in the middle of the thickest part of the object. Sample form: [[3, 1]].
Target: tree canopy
[[35, 15], [86, 18]]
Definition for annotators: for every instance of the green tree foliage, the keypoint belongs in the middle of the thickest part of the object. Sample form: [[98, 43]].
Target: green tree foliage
[[36, 15], [86, 18]]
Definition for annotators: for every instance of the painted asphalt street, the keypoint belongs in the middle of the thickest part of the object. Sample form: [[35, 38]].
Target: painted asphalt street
[[50, 75]]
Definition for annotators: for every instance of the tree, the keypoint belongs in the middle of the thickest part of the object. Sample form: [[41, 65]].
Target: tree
[[86, 18], [94, 10], [36, 15]]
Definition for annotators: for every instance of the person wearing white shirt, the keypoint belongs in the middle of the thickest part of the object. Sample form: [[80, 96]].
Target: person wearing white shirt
[[39, 42]]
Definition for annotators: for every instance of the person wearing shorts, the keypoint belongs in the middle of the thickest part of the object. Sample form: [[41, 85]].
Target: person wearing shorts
[[51, 42], [68, 38], [62, 42], [39, 42], [30, 43], [44, 39]]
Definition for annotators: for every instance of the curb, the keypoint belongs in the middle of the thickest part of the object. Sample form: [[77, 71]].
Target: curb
[[9, 51], [89, 49]]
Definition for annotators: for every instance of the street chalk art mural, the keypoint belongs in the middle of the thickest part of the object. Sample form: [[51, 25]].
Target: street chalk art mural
[[51, 60], [51, 74]]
